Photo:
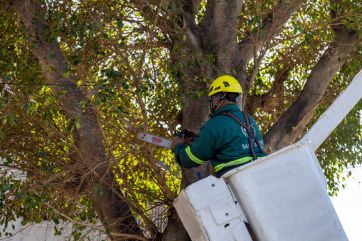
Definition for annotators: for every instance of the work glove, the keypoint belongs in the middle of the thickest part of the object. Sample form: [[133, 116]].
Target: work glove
[[183, 137]]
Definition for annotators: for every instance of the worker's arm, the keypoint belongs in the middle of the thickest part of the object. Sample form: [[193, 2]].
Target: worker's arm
[[198, 152]]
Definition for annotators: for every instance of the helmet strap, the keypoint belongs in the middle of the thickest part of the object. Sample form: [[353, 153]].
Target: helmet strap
[[213, 107]]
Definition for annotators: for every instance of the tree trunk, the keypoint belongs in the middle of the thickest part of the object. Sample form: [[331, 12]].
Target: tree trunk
[[111, 209], [175, 229], [216, 37]]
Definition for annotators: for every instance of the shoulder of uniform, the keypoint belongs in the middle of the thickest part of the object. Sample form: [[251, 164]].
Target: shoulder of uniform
[[218, 120], [218, 117], [215, 126]]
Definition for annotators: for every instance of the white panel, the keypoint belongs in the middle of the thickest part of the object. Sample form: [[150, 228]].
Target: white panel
[[209, 212], [284, 197]]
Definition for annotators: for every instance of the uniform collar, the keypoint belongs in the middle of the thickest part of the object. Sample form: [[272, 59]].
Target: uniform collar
[[230, 107]]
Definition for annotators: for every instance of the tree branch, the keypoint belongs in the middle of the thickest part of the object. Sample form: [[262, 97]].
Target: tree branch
[[150, 10], [192, 30], [271, 26], [292, 123], [219, 25], [185, 9], [266, 101]]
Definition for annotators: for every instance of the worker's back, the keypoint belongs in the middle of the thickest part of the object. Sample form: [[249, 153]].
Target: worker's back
[[228, 140]]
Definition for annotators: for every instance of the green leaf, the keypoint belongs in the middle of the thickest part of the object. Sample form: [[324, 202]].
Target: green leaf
[[31, 107], [67, 72], [13, 120], [57, 231], [119, 22], [5, 187], [73, 124], [79, 82]]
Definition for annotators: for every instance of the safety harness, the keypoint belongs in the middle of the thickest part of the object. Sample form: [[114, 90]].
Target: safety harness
[[251, 134]]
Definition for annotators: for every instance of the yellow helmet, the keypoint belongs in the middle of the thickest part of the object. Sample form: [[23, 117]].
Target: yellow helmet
[[225, 83]]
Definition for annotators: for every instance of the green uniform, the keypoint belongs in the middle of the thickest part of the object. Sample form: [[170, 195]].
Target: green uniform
[[222, 141]]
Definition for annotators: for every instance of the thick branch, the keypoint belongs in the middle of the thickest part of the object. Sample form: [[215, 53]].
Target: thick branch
[[220, 25], [292, 123], [113, 212], [267, 100], [271, 26], [192, 30]]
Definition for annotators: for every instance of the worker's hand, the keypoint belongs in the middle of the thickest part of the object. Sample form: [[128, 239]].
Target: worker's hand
[[188, 140], [176, 140]]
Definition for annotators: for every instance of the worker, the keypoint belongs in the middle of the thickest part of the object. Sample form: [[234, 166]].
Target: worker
[[230, 138]]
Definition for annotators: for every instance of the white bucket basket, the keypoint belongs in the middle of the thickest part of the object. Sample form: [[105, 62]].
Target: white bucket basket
[[284, 197]]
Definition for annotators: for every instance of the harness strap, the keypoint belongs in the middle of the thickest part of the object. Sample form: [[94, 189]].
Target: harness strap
[[250, 131], [261, 147]]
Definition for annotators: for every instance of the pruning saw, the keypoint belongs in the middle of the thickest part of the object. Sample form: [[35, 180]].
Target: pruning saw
[[184, 134], [156, 140]]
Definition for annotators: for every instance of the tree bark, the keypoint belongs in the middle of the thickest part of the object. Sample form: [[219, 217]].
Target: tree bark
[[293, 122], [219, 26], [111, 209]]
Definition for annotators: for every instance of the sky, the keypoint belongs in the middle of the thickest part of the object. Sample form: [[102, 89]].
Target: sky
[[348, 205]]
